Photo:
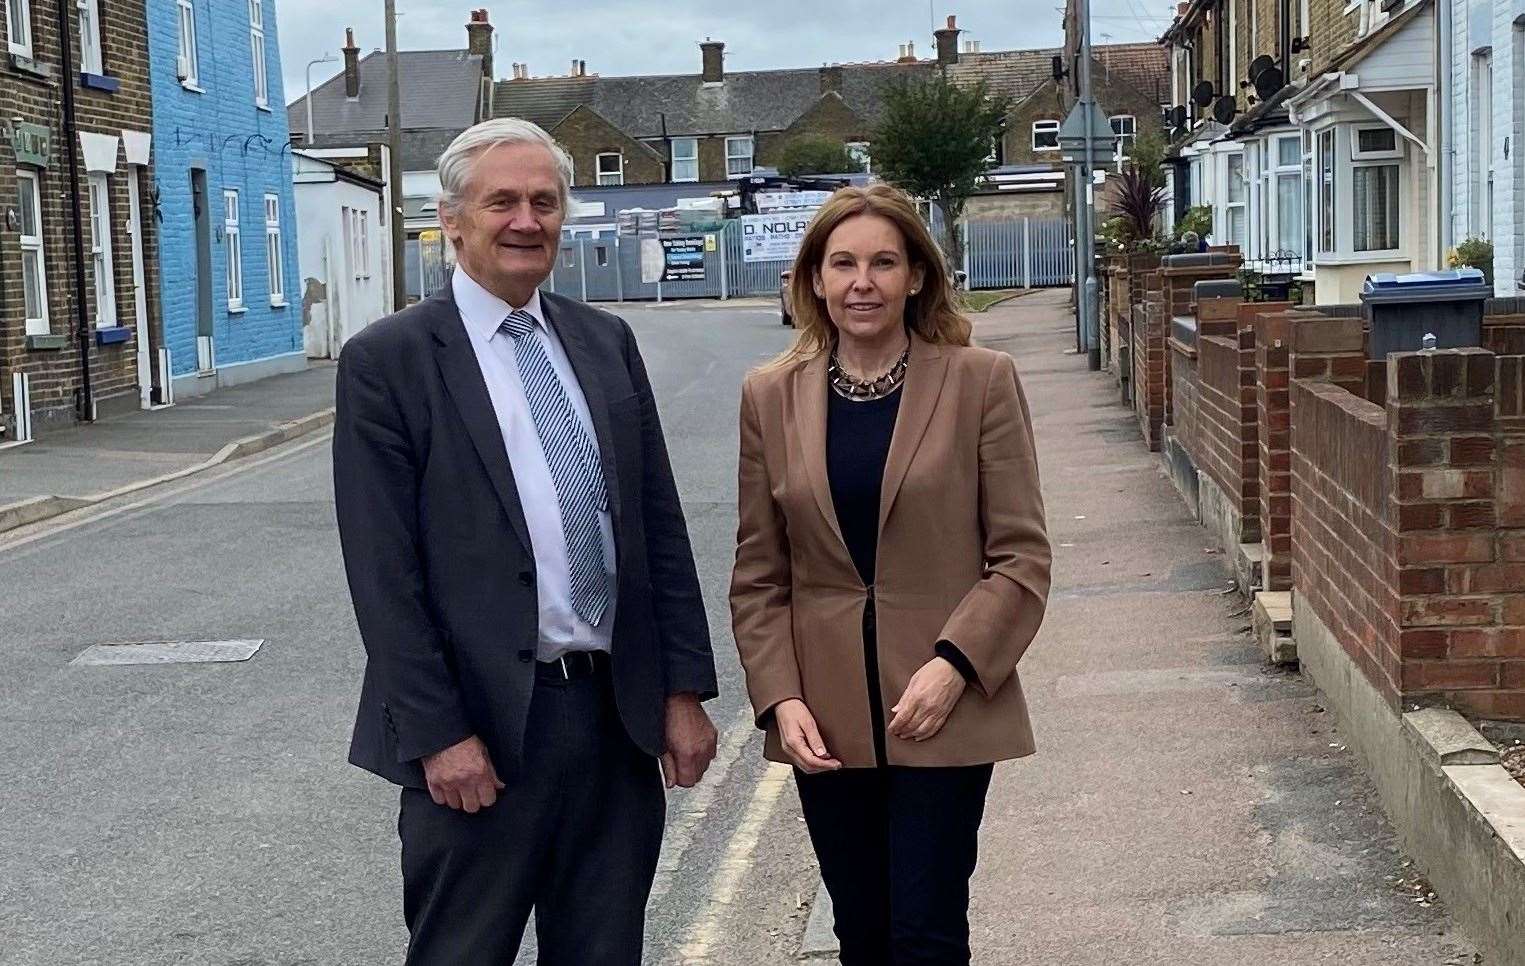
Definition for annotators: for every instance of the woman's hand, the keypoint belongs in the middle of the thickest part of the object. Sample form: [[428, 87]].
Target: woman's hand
[[801, 737], [928, 700]]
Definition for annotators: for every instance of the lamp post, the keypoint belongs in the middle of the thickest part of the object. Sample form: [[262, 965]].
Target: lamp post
[[327, 58]]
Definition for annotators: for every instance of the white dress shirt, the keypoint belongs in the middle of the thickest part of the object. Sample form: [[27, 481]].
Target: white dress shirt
[[562, 631]]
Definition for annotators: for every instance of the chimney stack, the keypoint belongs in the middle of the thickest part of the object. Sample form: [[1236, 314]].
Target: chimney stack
[[947, 43], [479, 39], [831, 79], [714, 61], [351, 65]]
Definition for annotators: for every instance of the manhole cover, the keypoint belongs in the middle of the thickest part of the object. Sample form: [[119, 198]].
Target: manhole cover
[[167, 652]]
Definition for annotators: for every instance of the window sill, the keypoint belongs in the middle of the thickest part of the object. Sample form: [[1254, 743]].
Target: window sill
[[237, 309], [31, 69], [100, 82], [1362, 258], [278, 303], [112, 335], [46, 342], [263, 107], [192, 87]]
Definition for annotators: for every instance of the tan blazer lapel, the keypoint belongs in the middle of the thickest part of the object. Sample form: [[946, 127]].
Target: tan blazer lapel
[[924, 378], [810, 431]]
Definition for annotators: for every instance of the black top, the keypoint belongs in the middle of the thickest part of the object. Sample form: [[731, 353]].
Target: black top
[[857, 446], [858, 438]]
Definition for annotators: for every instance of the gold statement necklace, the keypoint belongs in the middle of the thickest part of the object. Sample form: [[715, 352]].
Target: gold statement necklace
[[851, 388]]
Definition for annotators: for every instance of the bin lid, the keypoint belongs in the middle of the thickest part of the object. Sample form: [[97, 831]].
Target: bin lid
[[1455, 285]]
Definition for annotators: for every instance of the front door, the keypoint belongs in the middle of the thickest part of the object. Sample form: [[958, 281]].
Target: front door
[[205, 356]]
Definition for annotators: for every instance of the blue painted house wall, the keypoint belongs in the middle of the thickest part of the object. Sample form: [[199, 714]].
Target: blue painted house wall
[[240, 146]]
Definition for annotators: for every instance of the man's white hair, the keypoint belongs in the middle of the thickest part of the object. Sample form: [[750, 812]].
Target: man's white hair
[[456, 163]]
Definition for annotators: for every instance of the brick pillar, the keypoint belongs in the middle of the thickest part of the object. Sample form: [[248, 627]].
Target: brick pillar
[[1330, 350], [1457, 466], [1273, 424], [1149, 379]]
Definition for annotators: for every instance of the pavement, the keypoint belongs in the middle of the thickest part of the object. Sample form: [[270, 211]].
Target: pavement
[[141, 445], [1186, 805]]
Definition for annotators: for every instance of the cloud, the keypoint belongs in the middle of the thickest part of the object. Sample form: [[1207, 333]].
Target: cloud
[[662, 36]]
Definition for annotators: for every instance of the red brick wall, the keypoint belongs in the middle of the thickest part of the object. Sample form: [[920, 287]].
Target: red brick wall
[[1341, 545], [1149, 356], [1226, 448]]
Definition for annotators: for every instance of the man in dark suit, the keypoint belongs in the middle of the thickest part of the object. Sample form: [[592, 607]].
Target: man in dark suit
[[524, 585]]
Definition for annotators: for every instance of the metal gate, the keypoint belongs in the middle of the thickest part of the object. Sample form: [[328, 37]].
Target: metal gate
[[1018, 253]]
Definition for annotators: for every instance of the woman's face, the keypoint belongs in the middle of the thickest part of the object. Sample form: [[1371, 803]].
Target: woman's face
[[865, 278]]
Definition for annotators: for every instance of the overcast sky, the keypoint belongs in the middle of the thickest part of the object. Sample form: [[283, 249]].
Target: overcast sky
[[662, 36]]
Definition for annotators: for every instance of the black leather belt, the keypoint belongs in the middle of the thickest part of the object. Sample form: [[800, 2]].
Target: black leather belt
[[573, 666]]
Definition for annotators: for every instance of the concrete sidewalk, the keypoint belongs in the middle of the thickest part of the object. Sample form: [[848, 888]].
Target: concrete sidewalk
[[122, 450], [1187, 805]]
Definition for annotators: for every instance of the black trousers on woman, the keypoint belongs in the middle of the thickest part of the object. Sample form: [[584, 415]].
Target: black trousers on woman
[[897, 847]]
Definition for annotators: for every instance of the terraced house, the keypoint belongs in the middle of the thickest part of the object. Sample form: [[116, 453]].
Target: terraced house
[[78, 266], [232, 306], [1338, 139]]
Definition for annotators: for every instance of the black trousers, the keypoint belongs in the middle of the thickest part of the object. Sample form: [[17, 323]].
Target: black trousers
[[897, 847], [574, 837]]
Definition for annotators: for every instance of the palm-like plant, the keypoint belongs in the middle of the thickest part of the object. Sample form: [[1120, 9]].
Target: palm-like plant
[[1137, 201]]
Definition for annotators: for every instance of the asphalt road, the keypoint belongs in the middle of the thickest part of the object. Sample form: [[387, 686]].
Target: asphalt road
[[204, 813]]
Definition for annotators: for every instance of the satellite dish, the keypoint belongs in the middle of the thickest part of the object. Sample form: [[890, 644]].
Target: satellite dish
[[1268, 82], [1202, 94], [1259, 64], [1178, 115], [1224, 109]]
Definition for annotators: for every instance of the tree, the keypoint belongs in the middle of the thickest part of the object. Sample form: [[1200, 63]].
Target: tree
[[935, 140], [815, 154]]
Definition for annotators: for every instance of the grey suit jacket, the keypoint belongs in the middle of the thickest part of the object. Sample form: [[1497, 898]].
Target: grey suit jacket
[[438, 554]]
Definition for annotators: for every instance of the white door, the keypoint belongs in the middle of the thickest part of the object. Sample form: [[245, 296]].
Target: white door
[[139, 293]]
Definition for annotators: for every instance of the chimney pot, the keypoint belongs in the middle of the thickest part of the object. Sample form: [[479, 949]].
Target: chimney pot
[[952, 22], [351, 65]]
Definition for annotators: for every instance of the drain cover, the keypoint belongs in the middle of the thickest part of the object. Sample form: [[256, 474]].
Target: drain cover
[[167, 652]]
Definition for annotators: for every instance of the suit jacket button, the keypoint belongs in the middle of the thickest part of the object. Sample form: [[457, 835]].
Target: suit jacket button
[[526, 656], [526, 578]]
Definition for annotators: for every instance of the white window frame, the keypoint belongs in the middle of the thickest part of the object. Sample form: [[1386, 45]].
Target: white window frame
[[859, 152], [1126, 138], [1398, 174], [1275, 172], [18, 27], [613, 178], [1385, 154], [275, 250], [188, 58], [1231, 24], [1045, 126], [90, 61], [257, 54], [1326, 193], [29, 180], [749, 154], [1225, 234], [233, 273], [102, 269], [360, 237], [1482, 126], [691, 157]]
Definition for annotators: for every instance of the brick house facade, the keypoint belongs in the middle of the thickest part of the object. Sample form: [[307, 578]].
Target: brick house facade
[[41, 312]]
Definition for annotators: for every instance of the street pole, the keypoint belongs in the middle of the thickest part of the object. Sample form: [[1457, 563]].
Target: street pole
[[1085, 247], [394, 169], [327, 58]]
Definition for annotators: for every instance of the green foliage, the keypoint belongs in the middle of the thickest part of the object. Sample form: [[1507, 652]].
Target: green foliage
[[1137, 202], [815, 154], [1148, 156], [934, 141], [1473, 253], [1198, 220]]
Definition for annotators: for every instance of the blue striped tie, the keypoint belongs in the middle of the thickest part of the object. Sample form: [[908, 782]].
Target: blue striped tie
[[572, 459]]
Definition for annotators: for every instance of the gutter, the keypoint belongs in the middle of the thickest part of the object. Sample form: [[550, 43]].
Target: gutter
[[86, 412]]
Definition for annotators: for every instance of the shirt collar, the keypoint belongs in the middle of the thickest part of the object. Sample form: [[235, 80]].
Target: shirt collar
[[482, 311]]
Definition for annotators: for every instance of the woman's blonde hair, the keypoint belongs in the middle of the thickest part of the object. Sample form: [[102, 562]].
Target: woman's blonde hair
[[930, 313]]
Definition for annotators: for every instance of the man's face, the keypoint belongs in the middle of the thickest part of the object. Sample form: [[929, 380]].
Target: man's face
[[507, 228]]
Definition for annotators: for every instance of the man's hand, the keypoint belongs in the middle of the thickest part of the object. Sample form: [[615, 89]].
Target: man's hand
[[690, 741], [928, 700], [462, 776], [802, 738]]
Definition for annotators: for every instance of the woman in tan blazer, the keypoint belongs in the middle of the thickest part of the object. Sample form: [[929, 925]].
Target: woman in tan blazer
[[891, 568]]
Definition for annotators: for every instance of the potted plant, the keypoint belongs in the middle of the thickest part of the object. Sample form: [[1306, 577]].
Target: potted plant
[[1473, 253]]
